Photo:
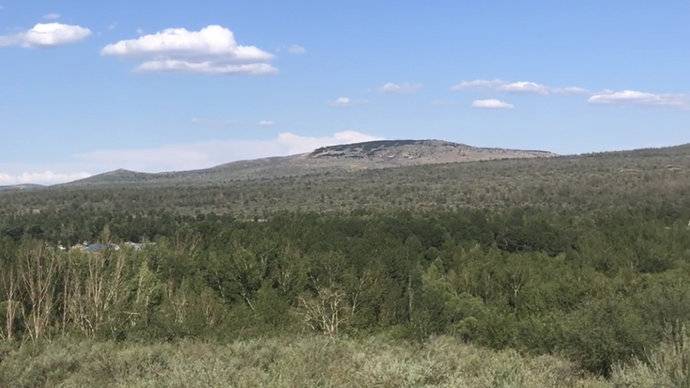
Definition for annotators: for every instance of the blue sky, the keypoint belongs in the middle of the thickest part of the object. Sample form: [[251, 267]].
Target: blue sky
[[87, 87]]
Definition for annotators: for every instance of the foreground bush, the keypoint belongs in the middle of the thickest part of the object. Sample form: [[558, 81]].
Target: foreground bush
[[283, 362], [668, 366]]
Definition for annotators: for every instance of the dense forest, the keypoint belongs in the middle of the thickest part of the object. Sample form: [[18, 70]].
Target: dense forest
[[586, 259]]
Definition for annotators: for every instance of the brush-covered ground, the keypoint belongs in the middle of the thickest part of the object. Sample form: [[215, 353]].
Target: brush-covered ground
[[311, 361]]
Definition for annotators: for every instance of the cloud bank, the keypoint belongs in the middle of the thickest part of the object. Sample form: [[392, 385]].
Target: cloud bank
[[46, 35], [211, 50]]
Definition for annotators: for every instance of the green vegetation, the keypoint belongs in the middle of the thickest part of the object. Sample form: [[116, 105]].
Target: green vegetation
[[569, 271]]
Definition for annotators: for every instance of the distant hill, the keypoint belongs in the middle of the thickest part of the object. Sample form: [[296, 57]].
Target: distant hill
[[347, 157], [116, 176], [22, 187]]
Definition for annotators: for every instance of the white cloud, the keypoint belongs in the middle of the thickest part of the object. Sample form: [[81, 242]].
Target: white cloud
[[211, 50], [211, 153], [491, 104], [298, 144], [403, 88], [46, 35], [634, 97], [207, 67], [477, 84], [296, 49], [341, 102], [517, 87], [525, 87], [608, 97], [346, 102], [41, 177], [210, 41], [266, 123], [571, 90], [52, 16]]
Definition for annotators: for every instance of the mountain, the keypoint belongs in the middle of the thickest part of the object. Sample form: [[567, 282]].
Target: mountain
[[338, 158], [22, 187], [117, 176]]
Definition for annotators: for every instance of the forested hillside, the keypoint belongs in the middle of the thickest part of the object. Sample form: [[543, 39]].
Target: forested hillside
[[581, 263], [640, 179]]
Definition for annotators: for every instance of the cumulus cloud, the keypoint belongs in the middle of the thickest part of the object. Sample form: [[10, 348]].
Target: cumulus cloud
[[403, 88], [46, 35], [491, 103], [296, 49], [211, 153], [266, 123], [52, 16], [211, 50], [634, 97], [517, 87], [41, 177]]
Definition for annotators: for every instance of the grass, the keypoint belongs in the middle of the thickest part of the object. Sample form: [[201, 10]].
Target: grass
[[283, 362], [668, 366]]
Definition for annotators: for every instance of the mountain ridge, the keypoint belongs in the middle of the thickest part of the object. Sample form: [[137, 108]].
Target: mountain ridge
[[342, 157]]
